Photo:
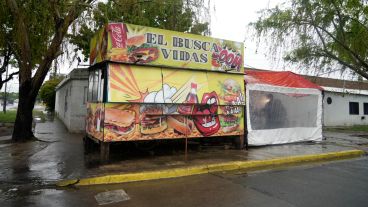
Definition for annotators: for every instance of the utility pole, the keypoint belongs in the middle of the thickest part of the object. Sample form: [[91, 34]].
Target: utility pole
[[6, 84]]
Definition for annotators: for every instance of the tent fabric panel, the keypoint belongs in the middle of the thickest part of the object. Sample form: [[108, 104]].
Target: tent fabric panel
[[284, 135], [282, 89], [277, 78]]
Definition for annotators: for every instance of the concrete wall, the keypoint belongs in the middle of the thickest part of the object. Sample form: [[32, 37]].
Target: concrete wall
[[78, 105], [71, 100], [337, 113], [62, 104]]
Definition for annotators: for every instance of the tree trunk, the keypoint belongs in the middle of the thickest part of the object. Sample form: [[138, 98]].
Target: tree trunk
[[23, 122]]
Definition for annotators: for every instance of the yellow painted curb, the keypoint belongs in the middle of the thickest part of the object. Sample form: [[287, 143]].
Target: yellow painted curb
[[203, 169]]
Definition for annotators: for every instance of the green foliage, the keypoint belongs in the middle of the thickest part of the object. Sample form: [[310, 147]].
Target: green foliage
[[9, 116], [39, 25], [35, 31], [177, 15], [355, 128], [321, 34], [47, 93], [5, 20]]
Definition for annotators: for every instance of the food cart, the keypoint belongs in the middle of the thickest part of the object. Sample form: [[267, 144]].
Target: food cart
[[147, 84]]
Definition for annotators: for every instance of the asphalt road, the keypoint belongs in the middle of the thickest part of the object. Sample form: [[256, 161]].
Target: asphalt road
[[342, 183]]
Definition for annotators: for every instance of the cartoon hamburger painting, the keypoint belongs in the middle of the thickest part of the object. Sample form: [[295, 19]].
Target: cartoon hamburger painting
[[119, 122], [231, 91], [139, 51], [152, 119], [130, 46], [231, 96], [229, 123]]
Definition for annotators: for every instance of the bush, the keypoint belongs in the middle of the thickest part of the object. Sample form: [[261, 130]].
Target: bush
[[8, 117], [47, 93]]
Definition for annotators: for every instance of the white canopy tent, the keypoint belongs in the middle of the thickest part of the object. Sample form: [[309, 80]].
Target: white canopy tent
[[282, 107]]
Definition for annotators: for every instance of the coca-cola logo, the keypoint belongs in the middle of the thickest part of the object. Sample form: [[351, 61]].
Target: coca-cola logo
[[117, 35]]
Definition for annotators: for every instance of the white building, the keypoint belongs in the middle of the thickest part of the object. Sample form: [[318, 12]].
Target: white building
[[345, 107], [345, 103], [71, 100]]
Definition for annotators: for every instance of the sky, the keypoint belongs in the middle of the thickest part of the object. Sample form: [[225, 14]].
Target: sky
[[229, 20]]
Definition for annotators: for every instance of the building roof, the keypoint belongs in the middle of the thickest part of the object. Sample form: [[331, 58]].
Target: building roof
[[340, 86], [337, 83], [279, 78], [75, 74], [344, 90], [334, 85]]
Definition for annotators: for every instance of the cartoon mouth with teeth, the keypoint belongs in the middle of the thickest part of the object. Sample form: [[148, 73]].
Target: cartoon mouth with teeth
[[205, 116]]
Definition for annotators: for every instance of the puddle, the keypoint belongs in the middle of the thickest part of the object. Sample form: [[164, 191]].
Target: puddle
[[109, 197], [174, 163], [361, 136], [46, 192]]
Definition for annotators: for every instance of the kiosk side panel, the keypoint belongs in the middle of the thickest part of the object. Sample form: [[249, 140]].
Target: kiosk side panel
[[131, 122], [148, 103], [95, 120]]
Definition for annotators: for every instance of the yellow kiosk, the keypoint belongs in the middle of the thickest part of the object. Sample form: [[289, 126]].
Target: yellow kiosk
[[148, 84]]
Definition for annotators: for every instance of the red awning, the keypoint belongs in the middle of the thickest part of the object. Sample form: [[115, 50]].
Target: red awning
[[279, 78]]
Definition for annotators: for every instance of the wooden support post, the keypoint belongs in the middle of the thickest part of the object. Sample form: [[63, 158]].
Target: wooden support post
[[104, 151], [246, 139], [239, 142], [86, 144]]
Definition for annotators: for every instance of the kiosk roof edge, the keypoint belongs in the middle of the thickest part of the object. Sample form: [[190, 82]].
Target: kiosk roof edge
[[134, 44]]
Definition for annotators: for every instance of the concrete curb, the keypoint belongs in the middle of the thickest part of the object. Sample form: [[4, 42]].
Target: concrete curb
[[203, 169]]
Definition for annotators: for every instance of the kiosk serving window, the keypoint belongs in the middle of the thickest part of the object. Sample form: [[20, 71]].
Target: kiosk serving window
[[95, 87]]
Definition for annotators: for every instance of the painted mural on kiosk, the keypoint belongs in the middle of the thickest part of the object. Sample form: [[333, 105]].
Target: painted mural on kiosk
[[147, 103], [165, 85], [133, 44]]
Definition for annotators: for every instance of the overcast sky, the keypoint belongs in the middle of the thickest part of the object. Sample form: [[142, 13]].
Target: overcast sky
[[229, 20]]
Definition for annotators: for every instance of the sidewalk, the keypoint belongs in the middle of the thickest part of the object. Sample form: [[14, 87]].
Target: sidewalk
[[60, 156]]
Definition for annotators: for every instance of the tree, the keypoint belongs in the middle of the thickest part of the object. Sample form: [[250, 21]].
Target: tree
[[36, 31], [6, 52], [320, 34], [47, 93], [178, 15]]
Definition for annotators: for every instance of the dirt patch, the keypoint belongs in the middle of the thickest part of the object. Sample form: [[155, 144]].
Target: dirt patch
[[6, 130]]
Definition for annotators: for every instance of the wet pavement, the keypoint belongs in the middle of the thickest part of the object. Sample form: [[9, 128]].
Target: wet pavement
[[339, 183], [31, 168]]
